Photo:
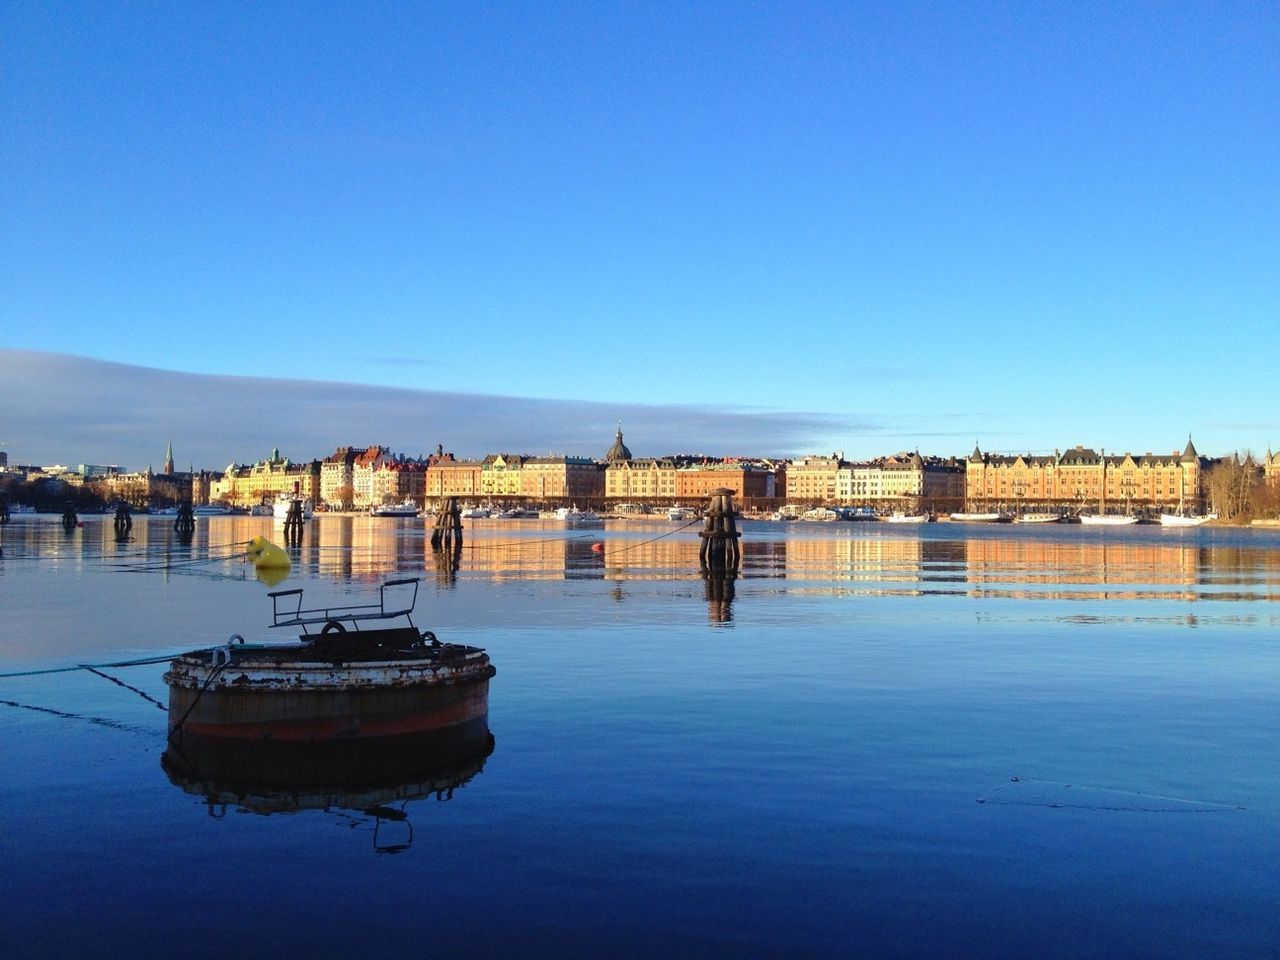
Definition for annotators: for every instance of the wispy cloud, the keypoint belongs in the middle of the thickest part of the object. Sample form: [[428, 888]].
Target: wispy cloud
[[55, 407]]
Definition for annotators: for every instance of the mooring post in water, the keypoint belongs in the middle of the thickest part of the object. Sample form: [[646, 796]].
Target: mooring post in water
[[719, 550], [293, 524], [185, 522], [447, 533], [719, 591], [123, 521], [69, 519], [4, 510]]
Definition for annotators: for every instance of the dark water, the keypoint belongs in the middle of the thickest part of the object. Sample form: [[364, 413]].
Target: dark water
[[791, 764]]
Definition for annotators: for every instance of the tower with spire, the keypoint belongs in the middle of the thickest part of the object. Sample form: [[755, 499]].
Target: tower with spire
[[168, 461], [619, 449]]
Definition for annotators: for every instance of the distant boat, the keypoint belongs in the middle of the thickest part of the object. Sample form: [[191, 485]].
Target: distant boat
[[518, 513], [819, 515], [406, 508], [900, 517], [280, 509], [475, 513], [580, 517], [631, 508], [261, 510], [211, 510], [678, 513], [1185, 520], [1038, 518], [981, 517], [1108, 519]]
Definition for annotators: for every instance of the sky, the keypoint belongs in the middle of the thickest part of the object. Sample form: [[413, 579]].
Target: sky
[[855, 227]]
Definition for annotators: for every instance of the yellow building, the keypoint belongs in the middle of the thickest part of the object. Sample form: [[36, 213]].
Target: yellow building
[[903, 481], [265, 481], [561, 478], [454, 478], [1086, 479], [813, 479], [648, 478]]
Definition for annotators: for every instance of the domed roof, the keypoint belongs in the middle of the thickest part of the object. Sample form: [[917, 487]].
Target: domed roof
[[619, 449]]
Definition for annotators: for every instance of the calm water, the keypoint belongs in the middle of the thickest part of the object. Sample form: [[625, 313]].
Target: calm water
[[786, 766]]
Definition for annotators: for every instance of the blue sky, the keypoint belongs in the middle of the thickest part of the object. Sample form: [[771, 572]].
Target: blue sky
[[928, 224]]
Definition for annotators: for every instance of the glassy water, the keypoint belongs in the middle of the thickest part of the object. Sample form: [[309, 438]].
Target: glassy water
[[815, 759]]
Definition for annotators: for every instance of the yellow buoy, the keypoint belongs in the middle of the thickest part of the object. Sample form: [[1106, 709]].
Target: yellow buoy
[[267, 556]]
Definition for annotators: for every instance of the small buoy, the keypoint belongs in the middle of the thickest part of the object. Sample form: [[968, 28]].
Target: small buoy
[[79, 523], [597, 547], [267, 556]]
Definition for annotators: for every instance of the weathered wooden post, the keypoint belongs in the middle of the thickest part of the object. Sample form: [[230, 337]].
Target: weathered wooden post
[[123, 521], [719, 549], [185, 522], [293, 524], [447, 533], [4, 510], [69, 519]]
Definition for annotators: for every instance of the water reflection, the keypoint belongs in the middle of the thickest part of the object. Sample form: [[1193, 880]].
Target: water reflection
[[362, 783], [1061, 563]]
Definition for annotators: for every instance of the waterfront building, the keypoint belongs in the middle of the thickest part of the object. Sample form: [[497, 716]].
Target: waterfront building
[[246, 485], [362, 470], [337, 478], [646, 478], [1271, 468], [399, 479], [812, 479], [454, 478], [905, 481], [1084, 478], [562, 478], [748, 481]]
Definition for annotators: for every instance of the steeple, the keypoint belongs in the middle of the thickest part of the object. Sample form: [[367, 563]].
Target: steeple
[[976, 456], [168, 461], [1189, 454]]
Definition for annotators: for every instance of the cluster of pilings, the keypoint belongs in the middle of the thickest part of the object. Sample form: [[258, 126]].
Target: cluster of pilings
[[446, 540], [4, 510], [719, 555], [293, 524], [184, 524], [69, 519], [123, 522]]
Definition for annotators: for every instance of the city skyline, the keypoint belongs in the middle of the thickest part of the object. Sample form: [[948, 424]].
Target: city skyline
[[879, 226]]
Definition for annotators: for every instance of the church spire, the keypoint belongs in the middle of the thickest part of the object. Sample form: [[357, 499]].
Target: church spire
[[168, 460]]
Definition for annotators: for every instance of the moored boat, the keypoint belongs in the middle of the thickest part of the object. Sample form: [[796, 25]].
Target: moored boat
[[1108, 519], [819, 515], [1185, 520], [280, 509], [406, 508], [899, 517], [375, 684], [981, 517], [1038, 518], [211, 510], [475, 513], [678, 513]]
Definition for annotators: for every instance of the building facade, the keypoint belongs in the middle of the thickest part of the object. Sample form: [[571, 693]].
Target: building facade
[[1085, 479], [266, 481]]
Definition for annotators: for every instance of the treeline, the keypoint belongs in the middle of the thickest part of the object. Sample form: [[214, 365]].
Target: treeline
[[48, 494], [1235, 490]]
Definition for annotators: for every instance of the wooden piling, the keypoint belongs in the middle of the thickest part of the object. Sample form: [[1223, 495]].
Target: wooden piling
[[185, 522], [69, 519], [293, 524], [719, 549], [447, 533], [123, 521]]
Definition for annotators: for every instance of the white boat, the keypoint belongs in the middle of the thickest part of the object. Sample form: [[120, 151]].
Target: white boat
[[980, 518], [900, 517], [518, 513], [475, 513], [681, 513], [819, 515], [22, 508], [1108, 519], [1185, 520], [581, 517], [211, 510], [280, 509], [406, 508], [630, 509], [261, 510], [1038, 518]]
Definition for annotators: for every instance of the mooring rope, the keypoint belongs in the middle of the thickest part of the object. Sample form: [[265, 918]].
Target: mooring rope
[[120, 683], [147, 661]]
